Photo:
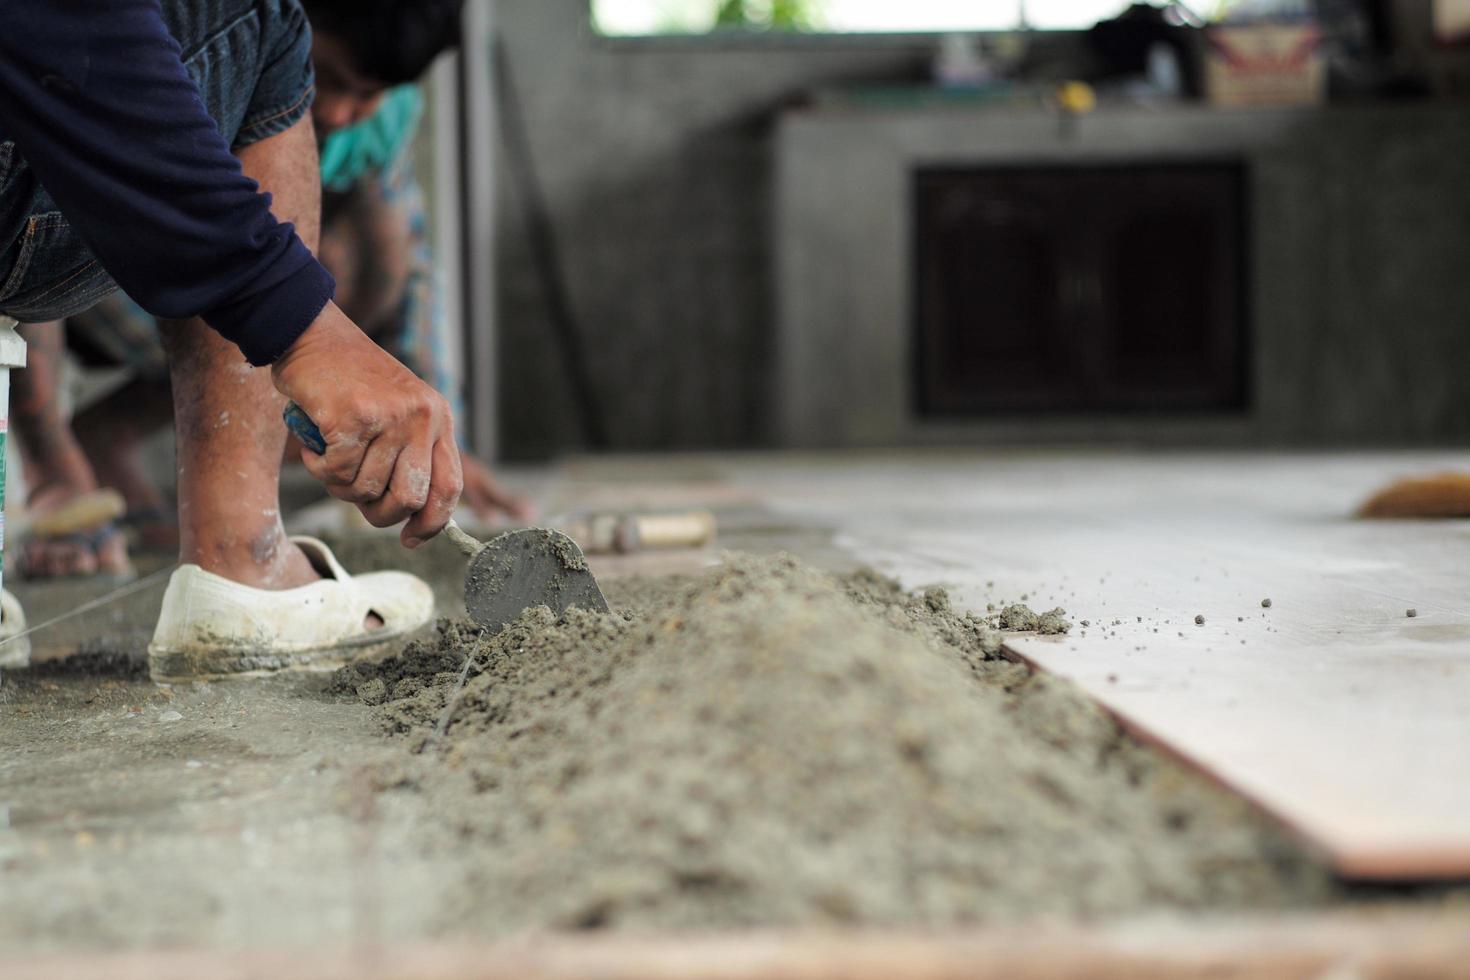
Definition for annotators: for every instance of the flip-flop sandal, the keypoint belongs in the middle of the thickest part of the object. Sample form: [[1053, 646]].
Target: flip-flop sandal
[[15, 654], [87, 522], [91, 541], [211, 628], [82, 513]]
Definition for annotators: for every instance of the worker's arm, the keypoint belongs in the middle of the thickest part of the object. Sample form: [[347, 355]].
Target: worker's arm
[[96, 96]]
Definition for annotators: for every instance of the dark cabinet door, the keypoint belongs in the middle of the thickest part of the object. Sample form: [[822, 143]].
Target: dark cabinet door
[[1080, 289]]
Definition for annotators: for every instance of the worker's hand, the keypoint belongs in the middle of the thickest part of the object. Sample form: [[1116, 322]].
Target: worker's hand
[[488, 499], [390, 438]]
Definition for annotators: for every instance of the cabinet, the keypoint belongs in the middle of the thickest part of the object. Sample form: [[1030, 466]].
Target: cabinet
[[1080, 289]]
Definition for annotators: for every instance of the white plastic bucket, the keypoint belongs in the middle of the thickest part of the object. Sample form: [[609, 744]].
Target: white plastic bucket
[[12, 356]]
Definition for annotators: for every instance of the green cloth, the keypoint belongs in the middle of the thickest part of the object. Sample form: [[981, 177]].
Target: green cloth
[[374, 144]]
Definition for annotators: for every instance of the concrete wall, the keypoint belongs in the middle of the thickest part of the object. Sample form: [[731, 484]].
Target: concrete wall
[[656, 159], [1359, 275]]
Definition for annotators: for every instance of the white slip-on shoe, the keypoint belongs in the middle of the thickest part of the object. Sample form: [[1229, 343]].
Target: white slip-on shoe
[[14, 654], [211, 628]]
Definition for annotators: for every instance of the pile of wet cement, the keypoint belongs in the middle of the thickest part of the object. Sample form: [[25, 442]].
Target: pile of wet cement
[[768, 745]]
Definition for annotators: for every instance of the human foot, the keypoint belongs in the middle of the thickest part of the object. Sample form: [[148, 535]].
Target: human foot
[[266, 560], [272, 563], [63, 482], [72, 533]]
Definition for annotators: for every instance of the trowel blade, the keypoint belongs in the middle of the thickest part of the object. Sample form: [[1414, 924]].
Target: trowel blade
[[522, 569]]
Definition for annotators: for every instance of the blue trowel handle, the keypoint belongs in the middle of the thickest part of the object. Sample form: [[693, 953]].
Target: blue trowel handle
[[303, 428]]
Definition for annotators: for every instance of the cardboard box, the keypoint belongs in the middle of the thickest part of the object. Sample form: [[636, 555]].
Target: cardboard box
[[1265, 65]]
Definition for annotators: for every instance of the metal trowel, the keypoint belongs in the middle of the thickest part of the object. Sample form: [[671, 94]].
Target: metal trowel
[[510, 573]]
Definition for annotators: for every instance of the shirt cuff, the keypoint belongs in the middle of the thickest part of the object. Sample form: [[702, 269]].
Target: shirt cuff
[[265, 324]]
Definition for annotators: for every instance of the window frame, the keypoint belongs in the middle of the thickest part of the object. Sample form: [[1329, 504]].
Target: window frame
[[745, 39]]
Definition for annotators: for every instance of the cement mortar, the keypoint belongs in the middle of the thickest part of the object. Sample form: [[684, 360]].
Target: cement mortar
[[768, 745]]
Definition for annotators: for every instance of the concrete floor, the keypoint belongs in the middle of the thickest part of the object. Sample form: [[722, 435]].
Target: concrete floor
[[1334, 709], [246, 816]]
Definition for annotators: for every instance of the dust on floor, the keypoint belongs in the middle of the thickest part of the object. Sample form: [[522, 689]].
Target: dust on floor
[[766, 744]]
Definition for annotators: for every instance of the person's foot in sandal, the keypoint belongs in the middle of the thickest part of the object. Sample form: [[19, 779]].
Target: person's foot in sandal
[[72, 532], [212, 628], [68, 533]]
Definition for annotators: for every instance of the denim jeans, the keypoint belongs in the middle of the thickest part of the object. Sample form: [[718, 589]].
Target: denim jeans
[[252, 62]]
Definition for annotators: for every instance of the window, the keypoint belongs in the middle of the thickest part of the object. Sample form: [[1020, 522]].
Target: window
[[650, 17]]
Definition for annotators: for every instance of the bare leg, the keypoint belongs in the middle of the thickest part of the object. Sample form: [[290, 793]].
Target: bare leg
[[227, 419], [366, 245], [227, 415], [111, 432], [56, 466], [52, 455]]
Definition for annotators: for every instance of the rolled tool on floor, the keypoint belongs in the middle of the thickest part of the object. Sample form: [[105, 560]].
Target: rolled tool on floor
[[1444, 495], [623, 534], [511, 572]]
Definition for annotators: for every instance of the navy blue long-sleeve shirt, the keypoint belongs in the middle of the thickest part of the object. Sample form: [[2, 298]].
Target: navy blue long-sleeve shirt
[[97, 99]]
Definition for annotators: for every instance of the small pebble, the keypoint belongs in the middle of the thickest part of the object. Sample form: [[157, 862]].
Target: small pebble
[[1265, 603], [170, 716], [1411, 613], [1199, 620]]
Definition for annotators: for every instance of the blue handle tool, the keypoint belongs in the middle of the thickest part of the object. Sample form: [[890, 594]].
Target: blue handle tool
[[303, 428], [518, 570]]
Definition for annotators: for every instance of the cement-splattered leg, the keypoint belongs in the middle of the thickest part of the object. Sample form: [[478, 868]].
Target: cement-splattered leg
[[227, 415]]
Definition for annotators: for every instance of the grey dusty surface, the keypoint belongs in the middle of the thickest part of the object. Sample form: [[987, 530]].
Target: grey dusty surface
[[725, 753], [226, 816], [765, 745], [1331, 707]]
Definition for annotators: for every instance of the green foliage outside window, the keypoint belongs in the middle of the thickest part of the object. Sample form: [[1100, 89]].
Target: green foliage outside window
[[781, 15]]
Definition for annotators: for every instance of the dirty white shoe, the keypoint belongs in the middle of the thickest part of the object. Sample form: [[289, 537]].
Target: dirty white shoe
[[211, 628], [14, 654]]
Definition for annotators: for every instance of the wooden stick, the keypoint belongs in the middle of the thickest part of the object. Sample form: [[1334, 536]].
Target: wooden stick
[[1363, 946]]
